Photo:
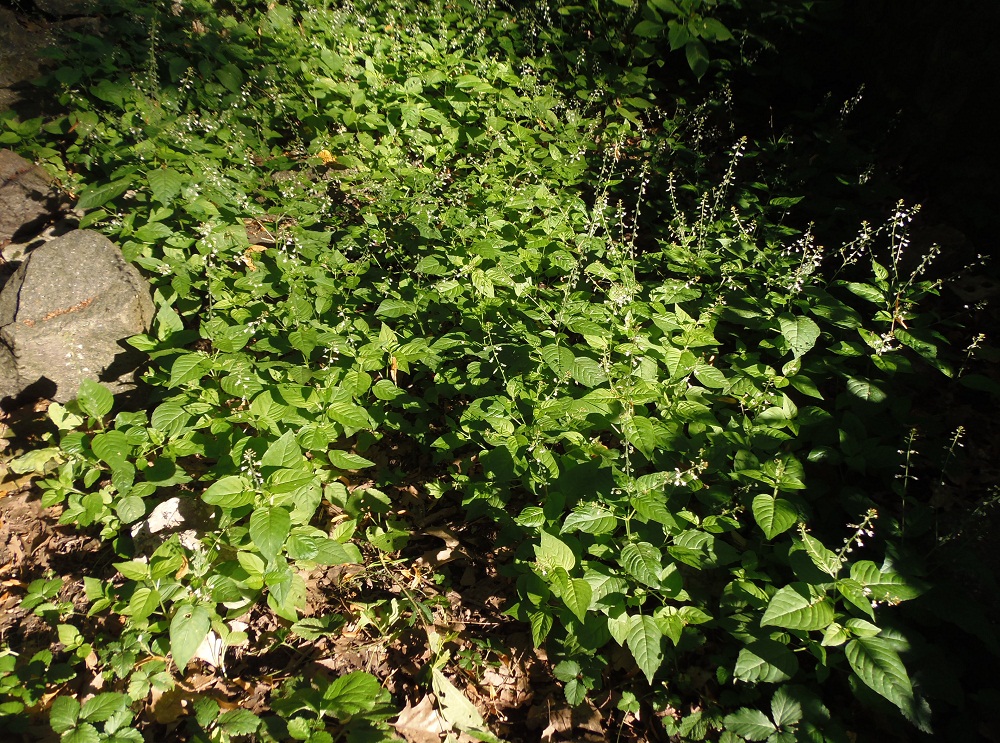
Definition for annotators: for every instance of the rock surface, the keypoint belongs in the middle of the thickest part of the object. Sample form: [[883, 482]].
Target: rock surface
[[64, 315], [27, 198]]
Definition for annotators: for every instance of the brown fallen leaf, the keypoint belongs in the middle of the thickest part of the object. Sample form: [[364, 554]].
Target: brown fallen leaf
[[422, 723]]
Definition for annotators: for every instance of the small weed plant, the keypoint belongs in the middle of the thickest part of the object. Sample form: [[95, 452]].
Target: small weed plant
[[369, 222]]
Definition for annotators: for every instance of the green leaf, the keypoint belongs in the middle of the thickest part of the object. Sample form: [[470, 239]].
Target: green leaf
[[171, 418], [751, 724], [697, 57], [188, 367], [648, 29], [853, 593], [887, 585], [238, 722], [94, 196], [284, 452], [766, 661], [352, 694], [95, 399], [64, 713], [111, 447], [640, 432], [346, 460], [231, 77], [332, 552], [710, 376], [588, 372], [879, 666], [232, 491], [798, 606], [785, 708], [102, 706], [800, 333], [866, 291], [82, 733], [552, 552], [269, 529], [865, 389], [188, 629], [773, 515], [644, 641], [165, 184], [589, 518], [348, 415], [576, 593], [821, 557], [643, 561]]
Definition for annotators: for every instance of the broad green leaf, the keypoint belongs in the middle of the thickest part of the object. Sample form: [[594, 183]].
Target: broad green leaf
[[648, 29], [352, 693], [98, 195], [576, 593], [887, 586], [821, 557], [284, 452], [853, 592], [644, 640], [332, 552], [232, 491], [643, 561], [697, 57], [560, 359], [165, 184], [188, 629], [710, 376], [188, 367], [541, 624], [171, 418], [800, 333], [865, 389], [552, 552], [588, 372], [346, 460], [269, 529], [348, 415], [231, 77], [774, 515], [766, 661], [798, 606], [64, 714], [865, 291], [238, 722], [751, 724], [99, 708], [589, 518], [82, 733], [879, 666], [111, 447], [95, 399], [640, 432], [289, 480]]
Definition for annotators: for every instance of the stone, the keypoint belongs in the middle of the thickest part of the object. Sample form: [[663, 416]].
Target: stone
[[64, 316], [28, 200], [20, 59]]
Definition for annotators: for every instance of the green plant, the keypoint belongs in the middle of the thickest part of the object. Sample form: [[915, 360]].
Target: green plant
[[598, 334]]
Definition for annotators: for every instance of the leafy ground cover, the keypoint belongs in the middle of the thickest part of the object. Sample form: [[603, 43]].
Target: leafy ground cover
[[501, 389]]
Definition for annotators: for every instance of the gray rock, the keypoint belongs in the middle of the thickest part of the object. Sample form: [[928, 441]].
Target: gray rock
[[27, 198], [64, 315], [20, 60]]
